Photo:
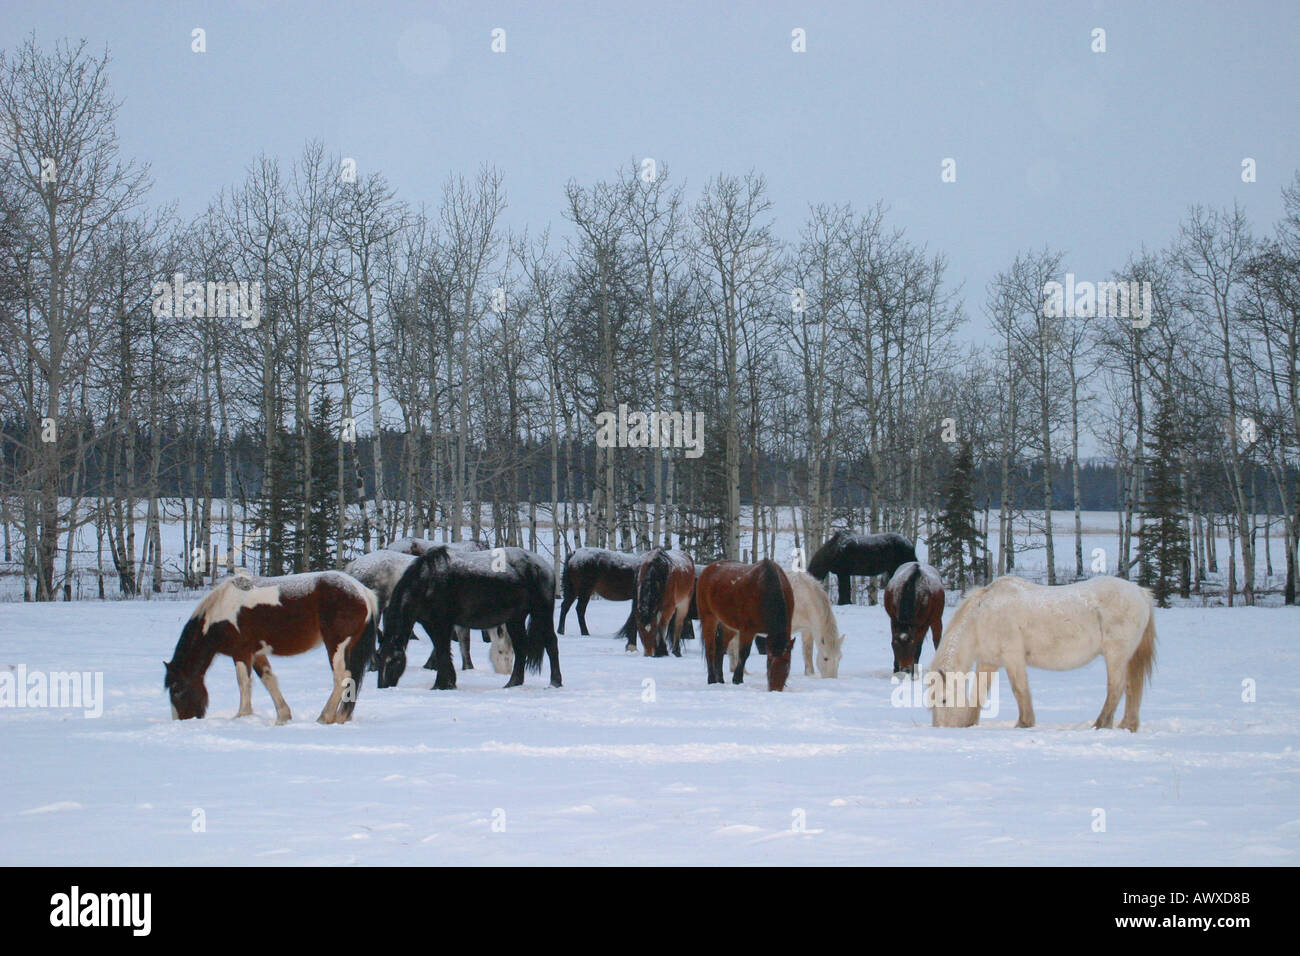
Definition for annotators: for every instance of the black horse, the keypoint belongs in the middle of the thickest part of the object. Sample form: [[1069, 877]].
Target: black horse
[[587, 571], [847, 553], [443, 589]]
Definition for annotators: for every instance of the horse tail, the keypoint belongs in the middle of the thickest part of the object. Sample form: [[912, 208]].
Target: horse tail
[[628, 630], [650, 593], [907, 600], [540, 627], [775, 610], [1143, 661]]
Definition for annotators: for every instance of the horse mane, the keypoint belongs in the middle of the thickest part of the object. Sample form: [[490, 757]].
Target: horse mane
[[776, 613], [948, 643], [650, 593], [907, 600]]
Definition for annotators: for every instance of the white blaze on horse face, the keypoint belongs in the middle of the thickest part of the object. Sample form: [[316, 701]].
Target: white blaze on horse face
[[226, 601]]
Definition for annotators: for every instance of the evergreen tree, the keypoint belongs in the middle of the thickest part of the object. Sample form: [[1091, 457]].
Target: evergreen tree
[[322, 525], [1163, 548], [955, 545]]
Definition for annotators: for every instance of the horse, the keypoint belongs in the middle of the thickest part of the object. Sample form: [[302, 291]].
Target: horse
[[443, 589], [1012, 623], [587, 571], [746, 599], [815, 619], [847, 553], [914, 600], [628, 631], [248, 619], [380, 571], [664, 584]]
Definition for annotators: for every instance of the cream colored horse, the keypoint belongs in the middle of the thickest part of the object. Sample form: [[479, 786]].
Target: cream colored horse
[[1015, 624], [815, 619]]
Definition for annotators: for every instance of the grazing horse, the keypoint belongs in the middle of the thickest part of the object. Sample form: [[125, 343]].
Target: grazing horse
[[628, 630], [914, 599], [380, 571], [664, 584], [847, 553], [587, 571], [1012, 623], [813, 617], [746, 599], [248, 619], [443, 589]]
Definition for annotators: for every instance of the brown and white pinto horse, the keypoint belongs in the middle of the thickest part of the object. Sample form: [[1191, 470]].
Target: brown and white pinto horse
[[249, 619], [914, 598], [664, 584], [746, 599]]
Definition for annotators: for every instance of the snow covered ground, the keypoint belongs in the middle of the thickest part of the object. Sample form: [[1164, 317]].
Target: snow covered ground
[[611, 769]]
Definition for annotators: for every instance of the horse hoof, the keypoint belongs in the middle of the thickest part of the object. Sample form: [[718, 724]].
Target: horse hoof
[[557, 683]]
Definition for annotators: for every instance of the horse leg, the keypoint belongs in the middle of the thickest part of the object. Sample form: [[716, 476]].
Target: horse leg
[[242, 668], [733, 652], [446, 670], [679, 618], [807, 641], [746, 642], [661, 637], [338, 666], [518, 639], [432, 662], [462, 635], [565, 604], [582, 613], [845, 587], [262, 665], [711, 640], [1116, 674], [553, 652], [1020, 687]]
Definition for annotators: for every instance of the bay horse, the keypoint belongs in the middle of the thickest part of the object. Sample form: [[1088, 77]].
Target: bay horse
[[914, 599], [847, 553], [746, 599], [380, 571], [664, 584], [248, 619], [443, 589], [1012, 623], [588, 571], [815, 619]]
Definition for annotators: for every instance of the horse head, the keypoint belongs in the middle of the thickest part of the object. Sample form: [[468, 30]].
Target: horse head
[[189, 695]]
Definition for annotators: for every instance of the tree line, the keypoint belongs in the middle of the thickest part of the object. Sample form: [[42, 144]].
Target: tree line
[[349, 367]]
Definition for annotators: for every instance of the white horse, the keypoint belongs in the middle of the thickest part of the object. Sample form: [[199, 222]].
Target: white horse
[[381, 570], [1014, 623], [815, 619]]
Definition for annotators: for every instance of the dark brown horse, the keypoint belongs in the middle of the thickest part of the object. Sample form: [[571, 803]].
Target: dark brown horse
[[846, 554], [664, 584], [249, 619], [746, 599], [914, 599], [588, 571]]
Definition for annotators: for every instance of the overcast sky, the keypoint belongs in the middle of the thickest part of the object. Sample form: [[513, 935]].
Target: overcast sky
[[1092, 153]]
